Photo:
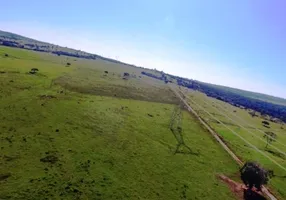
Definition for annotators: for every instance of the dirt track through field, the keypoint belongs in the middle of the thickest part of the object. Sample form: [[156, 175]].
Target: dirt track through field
[[243, 127], [215, 135]]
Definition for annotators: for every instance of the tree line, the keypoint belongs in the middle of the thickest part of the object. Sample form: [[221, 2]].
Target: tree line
[[238, 100]]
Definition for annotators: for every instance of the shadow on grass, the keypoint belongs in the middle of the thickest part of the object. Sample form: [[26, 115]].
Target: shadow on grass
[[176, 129], [251, 195], [181, 147], [275, 153]]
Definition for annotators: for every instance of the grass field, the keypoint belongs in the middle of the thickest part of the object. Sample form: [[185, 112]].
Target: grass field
[[251, 129], [79, 133]]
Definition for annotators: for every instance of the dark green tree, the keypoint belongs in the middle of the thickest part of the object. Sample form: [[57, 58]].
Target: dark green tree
[[34, 71], [253, 175]]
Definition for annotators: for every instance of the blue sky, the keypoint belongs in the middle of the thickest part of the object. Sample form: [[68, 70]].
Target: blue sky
[[240, 44]]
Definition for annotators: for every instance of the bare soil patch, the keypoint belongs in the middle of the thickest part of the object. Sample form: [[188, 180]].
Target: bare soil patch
[[240, 191]]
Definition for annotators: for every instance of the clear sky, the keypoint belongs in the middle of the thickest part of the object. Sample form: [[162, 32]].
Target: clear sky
[[239, 43]]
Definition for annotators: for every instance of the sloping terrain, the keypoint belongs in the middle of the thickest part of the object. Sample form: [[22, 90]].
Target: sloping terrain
[[228, 120], [273, 107], [268, 105], [15, 40], [64, 138]]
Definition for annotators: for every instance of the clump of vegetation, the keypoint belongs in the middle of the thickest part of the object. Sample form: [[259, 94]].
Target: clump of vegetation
[[6, 55], [68, 64], [150, 115], [266, 123], [106, 72], [50, 159], [253, 175], [34, 71], [125, 75], [266, 126], [270, 137]]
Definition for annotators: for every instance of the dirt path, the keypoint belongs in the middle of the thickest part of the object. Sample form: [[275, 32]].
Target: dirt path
[[240, 191], [215, 135]]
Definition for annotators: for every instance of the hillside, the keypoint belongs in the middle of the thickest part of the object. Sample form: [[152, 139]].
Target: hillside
[[15, 40], [99, 130], [271, 108], [267, 105], [82, 128]]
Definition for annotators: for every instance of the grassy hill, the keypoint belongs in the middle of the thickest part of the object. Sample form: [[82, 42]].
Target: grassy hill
[[272, 108], [88, 127], [87, 131], [15, 40], [250, 128]]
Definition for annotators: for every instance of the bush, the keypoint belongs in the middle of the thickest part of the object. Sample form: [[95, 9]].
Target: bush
[[34, 71], [265, 122], [68, 64], [6, 55], [253, 175]]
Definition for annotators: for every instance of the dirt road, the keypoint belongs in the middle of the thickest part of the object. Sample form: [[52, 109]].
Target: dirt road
[[215, 135]]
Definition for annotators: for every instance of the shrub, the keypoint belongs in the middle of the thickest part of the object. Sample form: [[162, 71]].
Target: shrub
[[126, 74], [34, 71], [265, 122], [253, 175]]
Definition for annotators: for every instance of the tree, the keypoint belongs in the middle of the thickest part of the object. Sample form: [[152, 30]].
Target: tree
[[33, 71], [253, 175], [266, 123], [270, 137]]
